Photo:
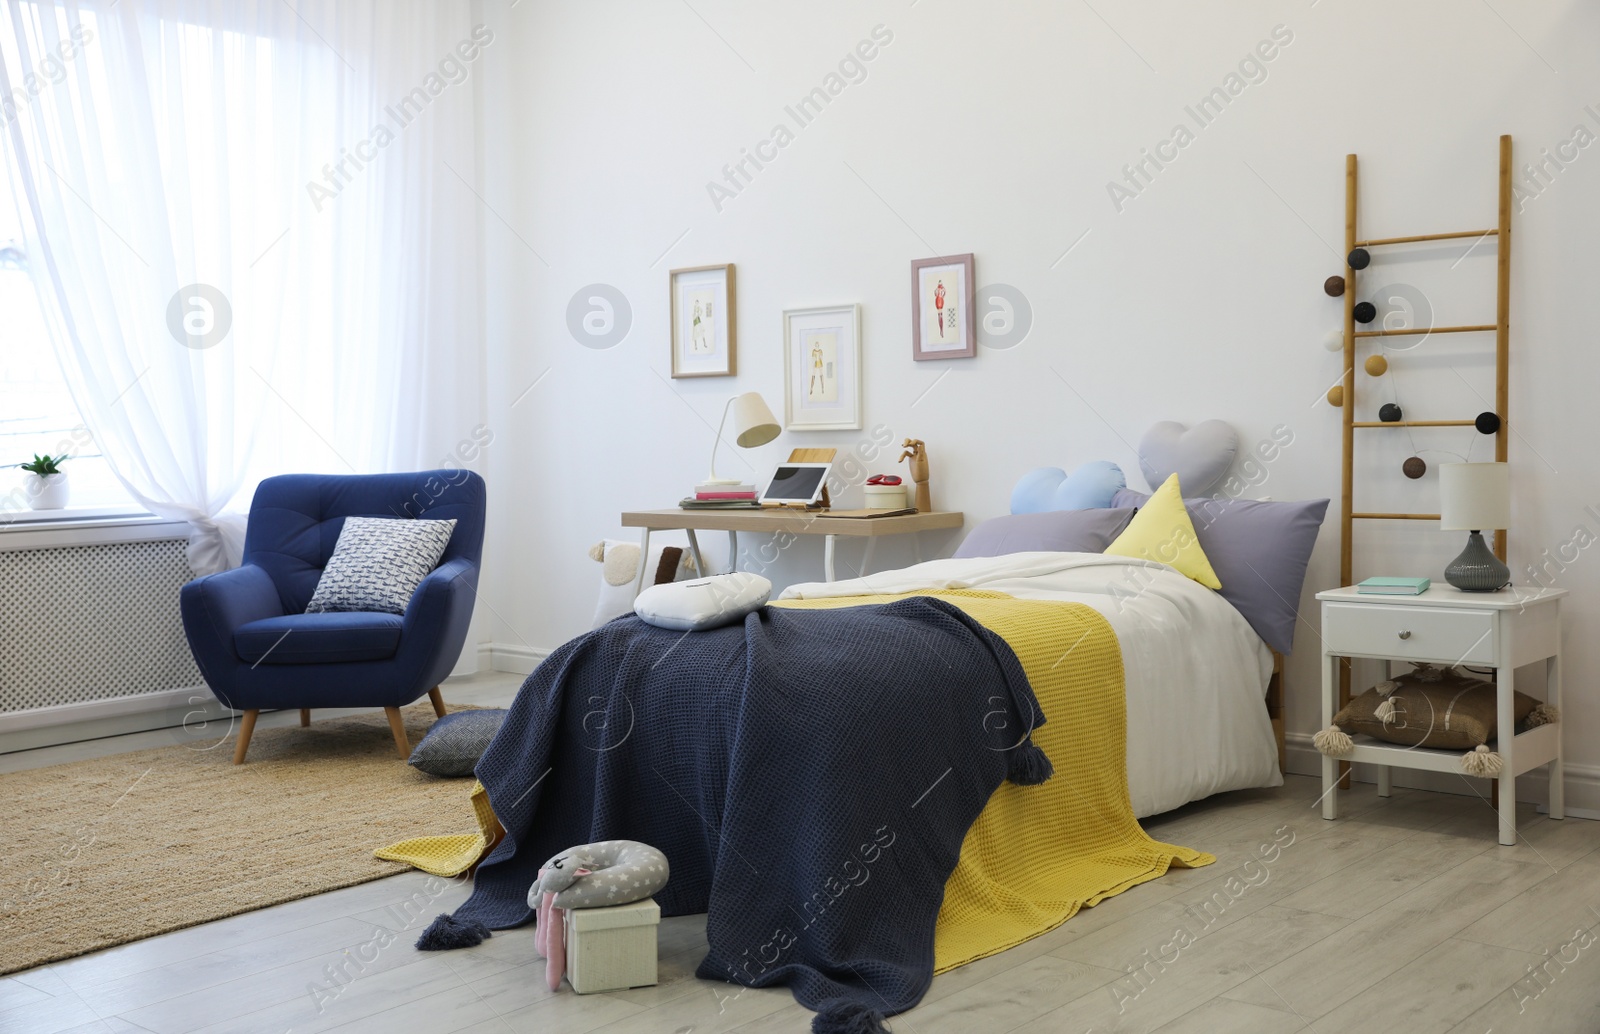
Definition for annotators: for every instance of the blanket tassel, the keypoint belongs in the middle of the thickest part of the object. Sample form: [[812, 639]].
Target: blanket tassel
[[447, 933], [842, 1016], [1029, 766]]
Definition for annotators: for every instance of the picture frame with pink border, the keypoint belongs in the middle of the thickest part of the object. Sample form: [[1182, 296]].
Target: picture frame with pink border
[[943, 322]]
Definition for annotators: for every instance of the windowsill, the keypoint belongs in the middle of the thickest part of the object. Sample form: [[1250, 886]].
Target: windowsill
[[77, 517]]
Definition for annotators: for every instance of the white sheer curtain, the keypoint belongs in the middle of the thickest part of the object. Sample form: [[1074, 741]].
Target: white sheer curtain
[[308, 167]]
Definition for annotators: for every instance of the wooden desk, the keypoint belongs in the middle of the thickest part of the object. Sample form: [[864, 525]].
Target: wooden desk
[[774, 521]]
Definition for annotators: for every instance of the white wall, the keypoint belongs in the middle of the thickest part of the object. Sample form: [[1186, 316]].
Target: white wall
[[995, 129]]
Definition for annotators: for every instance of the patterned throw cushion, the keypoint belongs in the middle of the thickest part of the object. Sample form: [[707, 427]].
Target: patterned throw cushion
[[378, 563], [455, 742]]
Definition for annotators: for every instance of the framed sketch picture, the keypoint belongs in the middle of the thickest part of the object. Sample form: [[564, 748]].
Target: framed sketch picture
[[822, 369], [942, 322], [703, 321]]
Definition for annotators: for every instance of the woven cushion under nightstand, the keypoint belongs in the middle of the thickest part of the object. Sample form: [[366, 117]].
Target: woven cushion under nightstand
[[1433, 708]]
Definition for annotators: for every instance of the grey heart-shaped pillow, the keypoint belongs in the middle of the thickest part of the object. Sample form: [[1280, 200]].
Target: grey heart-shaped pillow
[[1201, 456]]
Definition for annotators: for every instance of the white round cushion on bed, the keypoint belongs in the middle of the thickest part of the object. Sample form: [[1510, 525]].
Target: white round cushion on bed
[[705, 602]]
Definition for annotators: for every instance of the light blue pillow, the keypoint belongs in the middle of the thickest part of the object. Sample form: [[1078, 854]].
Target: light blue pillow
[[1090, 487]]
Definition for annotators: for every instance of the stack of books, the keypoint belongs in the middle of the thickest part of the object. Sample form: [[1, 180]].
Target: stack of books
[[1393, 586], [721, 497]]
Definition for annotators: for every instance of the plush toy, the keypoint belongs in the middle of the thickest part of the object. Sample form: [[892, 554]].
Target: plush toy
[[612, 872], [620, 565]]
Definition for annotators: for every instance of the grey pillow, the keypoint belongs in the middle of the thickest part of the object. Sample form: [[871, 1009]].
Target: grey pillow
[[378, 563], [1054, 531], [1200, 455], [1260, 551], [455, 742]]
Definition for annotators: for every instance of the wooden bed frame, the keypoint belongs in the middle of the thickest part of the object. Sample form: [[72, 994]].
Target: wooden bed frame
[[1275, 706]]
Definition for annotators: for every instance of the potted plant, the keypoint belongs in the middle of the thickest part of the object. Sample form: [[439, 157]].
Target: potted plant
[[46, 485]]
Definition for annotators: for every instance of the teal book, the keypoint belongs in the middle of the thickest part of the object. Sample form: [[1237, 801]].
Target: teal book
[[1394, 586]]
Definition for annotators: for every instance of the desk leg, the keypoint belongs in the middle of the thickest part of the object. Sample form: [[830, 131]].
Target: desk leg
[[1330, 766], [827, 557], [1558, 785], [733, 551], [700, 568], [1506, 744], [644, 560]]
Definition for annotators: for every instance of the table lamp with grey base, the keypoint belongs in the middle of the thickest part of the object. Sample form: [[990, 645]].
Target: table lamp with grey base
[[1475, 497]]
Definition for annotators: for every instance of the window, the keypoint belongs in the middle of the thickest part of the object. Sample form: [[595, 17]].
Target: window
[[37, 414]]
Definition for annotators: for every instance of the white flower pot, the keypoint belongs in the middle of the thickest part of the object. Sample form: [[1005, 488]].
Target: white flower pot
[[46, 493]]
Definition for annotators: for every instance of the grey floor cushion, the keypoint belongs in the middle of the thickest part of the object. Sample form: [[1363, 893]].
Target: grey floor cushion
[[456, 741]]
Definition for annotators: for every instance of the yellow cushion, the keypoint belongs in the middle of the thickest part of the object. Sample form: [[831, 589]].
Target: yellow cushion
[[1162, 531]]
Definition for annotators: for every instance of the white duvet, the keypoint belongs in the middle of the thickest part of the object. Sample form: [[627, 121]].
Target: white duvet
[[1196, 673]]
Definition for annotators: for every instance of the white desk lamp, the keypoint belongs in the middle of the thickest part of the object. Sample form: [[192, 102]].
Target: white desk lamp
[[753, 424], [1475, 497]]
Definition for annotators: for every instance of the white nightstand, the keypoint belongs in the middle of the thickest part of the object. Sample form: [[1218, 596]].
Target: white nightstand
[[1501, 630]]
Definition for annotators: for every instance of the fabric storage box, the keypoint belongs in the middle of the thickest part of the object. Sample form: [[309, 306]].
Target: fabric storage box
[[612, 948], [884, 497]]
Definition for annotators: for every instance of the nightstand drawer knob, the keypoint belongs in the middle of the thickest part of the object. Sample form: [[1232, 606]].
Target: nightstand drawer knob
[[1405, 634]]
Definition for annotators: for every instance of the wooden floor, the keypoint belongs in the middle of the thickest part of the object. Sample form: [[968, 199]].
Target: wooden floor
[[1402, 916]]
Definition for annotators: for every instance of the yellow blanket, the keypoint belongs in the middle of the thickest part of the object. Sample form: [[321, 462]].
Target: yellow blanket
[[1037, 854]]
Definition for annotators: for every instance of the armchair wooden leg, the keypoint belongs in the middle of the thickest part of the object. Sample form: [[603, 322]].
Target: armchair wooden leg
[[438, 701], [305, 717], [247, 726], [397, 725]]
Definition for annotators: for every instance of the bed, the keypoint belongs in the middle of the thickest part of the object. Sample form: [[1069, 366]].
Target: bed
[[846, 782], [1195, 672]]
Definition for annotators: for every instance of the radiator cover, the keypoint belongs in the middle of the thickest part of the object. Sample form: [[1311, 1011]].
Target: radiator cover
[[91, 622]]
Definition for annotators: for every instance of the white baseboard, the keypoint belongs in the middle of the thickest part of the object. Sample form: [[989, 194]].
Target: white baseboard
[[190, 706], [518, 660], [1583, 781], [115, 716]]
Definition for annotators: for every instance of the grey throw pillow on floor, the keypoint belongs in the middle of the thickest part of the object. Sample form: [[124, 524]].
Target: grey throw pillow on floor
[[454, 744], [378, 563]]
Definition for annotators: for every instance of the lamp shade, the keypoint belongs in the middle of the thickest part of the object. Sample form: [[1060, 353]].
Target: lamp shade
[[753, 422], [1474, 496]]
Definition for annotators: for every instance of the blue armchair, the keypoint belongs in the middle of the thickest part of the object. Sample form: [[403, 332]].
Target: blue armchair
[[258, 648]]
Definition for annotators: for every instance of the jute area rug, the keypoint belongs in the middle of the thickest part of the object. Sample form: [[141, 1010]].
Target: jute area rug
[[98, 853]]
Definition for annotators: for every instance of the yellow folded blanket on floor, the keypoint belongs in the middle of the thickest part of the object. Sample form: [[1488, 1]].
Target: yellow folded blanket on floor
[[454, 854], [1037, 854]]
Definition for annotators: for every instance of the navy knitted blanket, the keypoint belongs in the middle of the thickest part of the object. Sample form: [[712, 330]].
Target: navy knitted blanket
[[810, 775]]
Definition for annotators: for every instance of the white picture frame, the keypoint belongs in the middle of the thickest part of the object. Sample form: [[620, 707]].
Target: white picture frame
[[822, 368]]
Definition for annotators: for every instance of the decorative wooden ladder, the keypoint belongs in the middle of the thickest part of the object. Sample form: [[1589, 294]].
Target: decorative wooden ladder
[[1502, 338]]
